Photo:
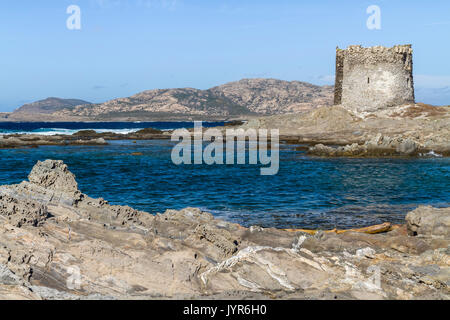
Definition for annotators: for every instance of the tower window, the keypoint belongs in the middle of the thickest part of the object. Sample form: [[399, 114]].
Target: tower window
[[368, 80]]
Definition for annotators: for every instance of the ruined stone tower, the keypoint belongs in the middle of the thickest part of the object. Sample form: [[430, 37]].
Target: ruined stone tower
[[370, 79]]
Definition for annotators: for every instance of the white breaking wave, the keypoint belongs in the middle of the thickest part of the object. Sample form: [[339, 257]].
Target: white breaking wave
[[433, 154], [61, 131]]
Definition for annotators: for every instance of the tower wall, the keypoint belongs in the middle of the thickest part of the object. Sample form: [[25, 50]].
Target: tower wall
[[369, 79], [339, 76]]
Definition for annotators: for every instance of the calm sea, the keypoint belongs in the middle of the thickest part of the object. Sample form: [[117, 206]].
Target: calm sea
[[306, 193]]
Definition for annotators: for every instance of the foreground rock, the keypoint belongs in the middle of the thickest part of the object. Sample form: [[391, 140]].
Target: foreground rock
[[58, 243], [429, 221]]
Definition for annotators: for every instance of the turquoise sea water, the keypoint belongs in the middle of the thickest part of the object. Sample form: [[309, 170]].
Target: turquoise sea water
[[306, 193]]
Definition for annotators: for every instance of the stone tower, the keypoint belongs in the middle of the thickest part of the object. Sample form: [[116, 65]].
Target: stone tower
[[370, 79]]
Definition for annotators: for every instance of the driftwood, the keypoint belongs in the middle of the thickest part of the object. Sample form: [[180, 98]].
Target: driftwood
[[379, 228]]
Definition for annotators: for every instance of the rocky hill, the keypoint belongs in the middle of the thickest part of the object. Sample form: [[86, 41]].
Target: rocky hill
[[242, 98], [271, 96], [49, 105]]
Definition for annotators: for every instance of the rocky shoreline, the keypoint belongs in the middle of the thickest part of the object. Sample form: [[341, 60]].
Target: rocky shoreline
[[402, 131], [58, 243], [83, 137], [408, 130]]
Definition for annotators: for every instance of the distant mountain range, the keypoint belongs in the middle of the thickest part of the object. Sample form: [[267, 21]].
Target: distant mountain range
[[244, 98], [50, 105]]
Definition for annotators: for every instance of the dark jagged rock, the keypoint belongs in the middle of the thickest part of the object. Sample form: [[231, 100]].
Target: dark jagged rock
[[85, 133], [148, 131]]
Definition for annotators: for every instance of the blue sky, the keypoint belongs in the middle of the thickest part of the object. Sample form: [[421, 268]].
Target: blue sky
[[127, 46]]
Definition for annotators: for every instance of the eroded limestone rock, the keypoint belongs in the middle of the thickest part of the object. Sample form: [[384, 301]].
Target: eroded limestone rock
[[21, 212], [429, 221], [53, 175]]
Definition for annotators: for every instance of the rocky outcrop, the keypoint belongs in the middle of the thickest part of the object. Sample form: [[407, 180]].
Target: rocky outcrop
[[53, 175], [411, 130], [380, 146], [84, 248], [429, 221]]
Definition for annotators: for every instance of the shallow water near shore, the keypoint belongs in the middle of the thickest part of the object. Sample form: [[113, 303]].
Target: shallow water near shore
[[306, 193]]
